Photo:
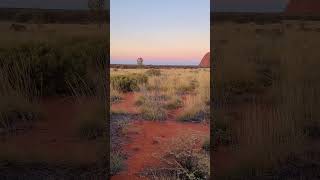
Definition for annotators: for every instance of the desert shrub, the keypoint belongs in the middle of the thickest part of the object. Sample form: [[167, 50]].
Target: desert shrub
[[52, 64], [128, 83], [18, 105], [15, 111], [184, 160], [196, 115], [153, 72], [174, 104], [115, 95], [206, 145], [140, 100], [153, 112], [183, 89], [116, 162]]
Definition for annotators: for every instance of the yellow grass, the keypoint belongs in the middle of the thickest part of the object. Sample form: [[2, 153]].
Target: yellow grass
[[167, 90]]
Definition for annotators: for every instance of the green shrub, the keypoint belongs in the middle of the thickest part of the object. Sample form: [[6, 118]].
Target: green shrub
[[52, 64], [128, 83], [153, 113]]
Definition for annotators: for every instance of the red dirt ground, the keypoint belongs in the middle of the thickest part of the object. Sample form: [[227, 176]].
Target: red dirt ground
[[151, 138], [127, 104], [54, 139]]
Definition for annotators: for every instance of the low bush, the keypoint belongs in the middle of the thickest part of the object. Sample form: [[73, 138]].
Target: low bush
[[52, 64], [128, 83], [183, 161], [206, 145], [193, 116], [16, 111], [140, 100], [175, 103], [153, 113]]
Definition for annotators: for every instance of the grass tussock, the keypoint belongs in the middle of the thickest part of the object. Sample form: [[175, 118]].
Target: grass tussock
[[174, 103], [91, 109], [153, 72], [195, 110], [128, 83], [265, 97], [183, 159], [19, 104]]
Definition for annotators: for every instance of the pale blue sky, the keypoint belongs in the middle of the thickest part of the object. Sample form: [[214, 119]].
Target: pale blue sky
[[160, 31]]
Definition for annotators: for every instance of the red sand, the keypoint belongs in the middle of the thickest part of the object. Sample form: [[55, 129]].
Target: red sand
[[151, 138], [126, 104], [54, 139]]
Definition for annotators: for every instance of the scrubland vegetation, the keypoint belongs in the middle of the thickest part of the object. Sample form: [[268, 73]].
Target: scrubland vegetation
[[161, 95], [52, 64], [165, 89], [266, 91]]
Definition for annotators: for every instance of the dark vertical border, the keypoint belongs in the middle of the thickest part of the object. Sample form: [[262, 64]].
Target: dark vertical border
[[212, 139], [107, 90]]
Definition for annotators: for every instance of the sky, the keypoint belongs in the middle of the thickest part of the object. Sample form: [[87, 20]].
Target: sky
[[166, 32]]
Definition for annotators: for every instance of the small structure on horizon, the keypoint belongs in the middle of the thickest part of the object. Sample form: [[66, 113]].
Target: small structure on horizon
[[140, 61], [205, 62]]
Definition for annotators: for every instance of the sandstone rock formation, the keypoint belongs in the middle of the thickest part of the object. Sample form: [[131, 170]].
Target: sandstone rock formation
[[205, 62]]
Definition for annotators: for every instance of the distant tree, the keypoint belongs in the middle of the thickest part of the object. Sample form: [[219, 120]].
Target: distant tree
[[97, 8], [140, 61]]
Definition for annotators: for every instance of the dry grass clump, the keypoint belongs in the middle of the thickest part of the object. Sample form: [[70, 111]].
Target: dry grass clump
[[174, 103], [152, 107], [115, 95], [19, 105], [197, 107], [153, 72], [270, 87], [128, 83], [183, 159], [91, 109], [194, 110]]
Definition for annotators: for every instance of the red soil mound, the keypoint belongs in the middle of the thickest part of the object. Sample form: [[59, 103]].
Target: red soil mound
[[205, 62], [303, 7]]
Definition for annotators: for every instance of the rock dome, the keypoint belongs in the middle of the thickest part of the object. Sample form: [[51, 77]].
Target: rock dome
[[205, 62]]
